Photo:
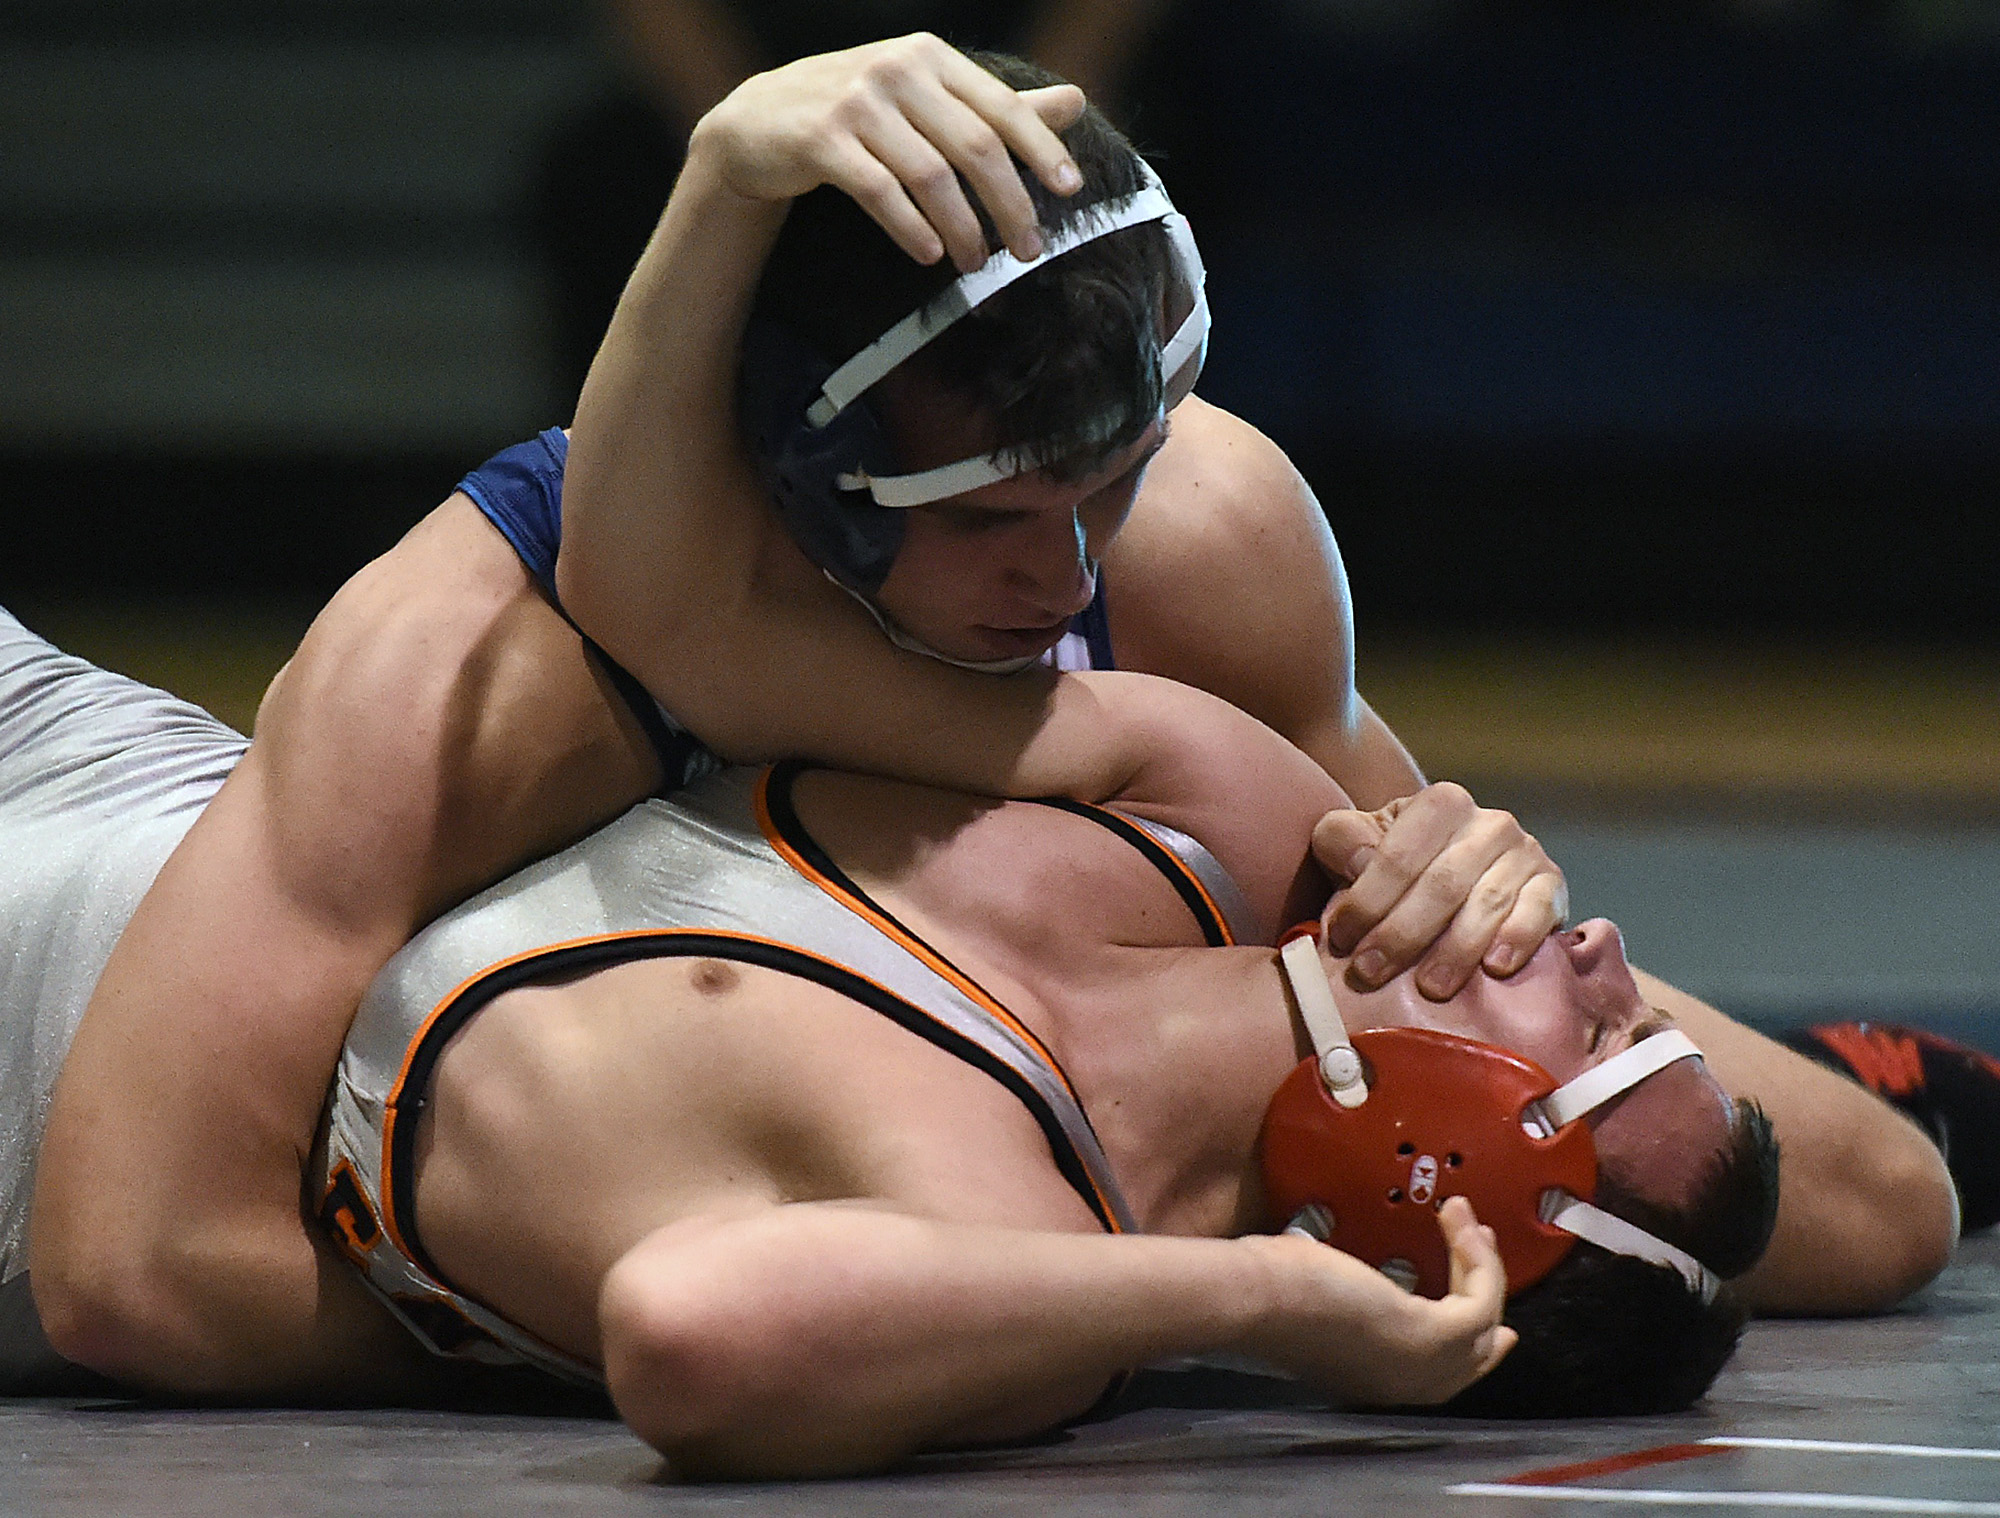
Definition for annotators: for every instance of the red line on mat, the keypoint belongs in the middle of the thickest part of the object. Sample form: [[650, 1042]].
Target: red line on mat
[[1611, 1465]]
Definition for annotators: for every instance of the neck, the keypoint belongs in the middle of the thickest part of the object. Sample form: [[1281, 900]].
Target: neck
[[1176, 1053]]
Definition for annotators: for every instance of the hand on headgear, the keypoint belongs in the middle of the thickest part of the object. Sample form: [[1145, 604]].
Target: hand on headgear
[[1440, 882], [1350, 1331], [1364, 1164], [889, 123]]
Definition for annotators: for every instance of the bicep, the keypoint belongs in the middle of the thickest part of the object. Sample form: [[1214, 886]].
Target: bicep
[[1866, 1212], [1228, 578], [383, 784]]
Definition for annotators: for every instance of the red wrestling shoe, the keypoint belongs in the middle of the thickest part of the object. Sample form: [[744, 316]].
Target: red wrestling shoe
[[1951, 1091]]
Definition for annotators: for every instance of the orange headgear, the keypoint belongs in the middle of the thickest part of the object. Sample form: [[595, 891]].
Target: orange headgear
[[1364, 1141]]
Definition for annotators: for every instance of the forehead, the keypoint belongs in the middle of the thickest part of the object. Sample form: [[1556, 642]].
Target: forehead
[[930, 425], [1659, 1139]]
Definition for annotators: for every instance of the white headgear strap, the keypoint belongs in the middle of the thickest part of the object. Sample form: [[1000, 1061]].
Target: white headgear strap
[[1180, 357], [910, 643], [1608, 1231], [1616, 1075], [1586, 1094], [1339, 1064]]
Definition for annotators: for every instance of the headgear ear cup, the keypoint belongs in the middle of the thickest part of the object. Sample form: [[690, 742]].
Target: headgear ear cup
[[1443, 1119], [842, 531]]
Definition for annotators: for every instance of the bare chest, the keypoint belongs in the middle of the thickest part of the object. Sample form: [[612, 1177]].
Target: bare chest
[[567, 1122]]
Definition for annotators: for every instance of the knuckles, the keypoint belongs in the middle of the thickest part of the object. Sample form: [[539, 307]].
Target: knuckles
[[900, 59], [1447, 795]]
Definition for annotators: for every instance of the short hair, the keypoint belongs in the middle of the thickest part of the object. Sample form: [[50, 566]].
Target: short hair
[[1603, 1336], [1607, 1335], [1065, 361], [1728, 1224]]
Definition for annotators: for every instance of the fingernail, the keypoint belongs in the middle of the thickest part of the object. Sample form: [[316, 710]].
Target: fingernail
[[1031, 246], [1371, 966], [1503, 961], [1069, 179]]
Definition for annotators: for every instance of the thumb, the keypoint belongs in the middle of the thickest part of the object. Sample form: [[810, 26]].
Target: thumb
[[1344, 841]]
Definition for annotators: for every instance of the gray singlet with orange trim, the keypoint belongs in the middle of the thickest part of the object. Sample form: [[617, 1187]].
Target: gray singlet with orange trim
[[721, 870]]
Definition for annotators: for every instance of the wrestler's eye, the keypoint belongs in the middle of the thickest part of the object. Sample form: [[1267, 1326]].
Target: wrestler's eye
[[972, 519]]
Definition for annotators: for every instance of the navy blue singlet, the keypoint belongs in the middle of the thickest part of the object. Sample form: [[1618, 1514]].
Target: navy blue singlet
[[519, 490]]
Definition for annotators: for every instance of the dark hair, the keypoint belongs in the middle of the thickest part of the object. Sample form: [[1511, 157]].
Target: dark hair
[[1075, 341], [1605, 1335], [1728, 1224]]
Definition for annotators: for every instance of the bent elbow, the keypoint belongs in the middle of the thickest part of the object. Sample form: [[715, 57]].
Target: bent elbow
[[714, 1396], [667, 1389], [102, 1323], [1921, 1224], [1911, 1230], [130, 1313]]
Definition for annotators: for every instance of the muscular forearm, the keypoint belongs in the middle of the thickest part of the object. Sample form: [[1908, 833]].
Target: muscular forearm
[[820, 1339], [673, 561], [1866, 1212], [667, 542]]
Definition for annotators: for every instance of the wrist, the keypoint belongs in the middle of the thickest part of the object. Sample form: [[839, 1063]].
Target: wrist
[[706, 172], [1270, 1294]]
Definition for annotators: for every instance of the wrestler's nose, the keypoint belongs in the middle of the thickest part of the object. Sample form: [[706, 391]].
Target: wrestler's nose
[[1595, 944], [1056, 566]]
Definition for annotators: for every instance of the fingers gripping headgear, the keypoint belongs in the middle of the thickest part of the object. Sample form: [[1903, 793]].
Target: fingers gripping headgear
[[823, 455], [1366, 1139]]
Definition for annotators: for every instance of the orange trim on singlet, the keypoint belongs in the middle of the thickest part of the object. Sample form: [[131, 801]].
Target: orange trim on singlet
[[1201, 888], [392, 1109], [901, 936], [928, 957], [1185, 870]]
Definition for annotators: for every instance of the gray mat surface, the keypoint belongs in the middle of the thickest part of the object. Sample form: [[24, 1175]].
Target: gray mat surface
[[1774, 922], [1928, 1376]]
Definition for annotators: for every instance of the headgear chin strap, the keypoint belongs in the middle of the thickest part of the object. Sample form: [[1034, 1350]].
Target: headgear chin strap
[[1365, 1140], [909, 642]]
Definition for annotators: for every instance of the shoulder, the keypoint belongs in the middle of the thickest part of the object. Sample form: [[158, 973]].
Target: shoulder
[[1220, 481], [439, 724], [1227, 577]]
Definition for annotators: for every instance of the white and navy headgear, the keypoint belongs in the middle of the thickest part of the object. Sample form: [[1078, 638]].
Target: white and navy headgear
[[823, 454]]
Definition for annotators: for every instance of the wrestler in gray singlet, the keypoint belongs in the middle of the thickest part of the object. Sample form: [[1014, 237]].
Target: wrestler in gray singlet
[[721, 870], [99, 778]]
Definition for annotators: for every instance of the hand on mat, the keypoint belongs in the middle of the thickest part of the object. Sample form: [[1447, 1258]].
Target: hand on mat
[[1355, 1334], [1438, 881], [889, 123]]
